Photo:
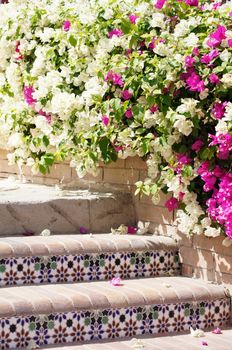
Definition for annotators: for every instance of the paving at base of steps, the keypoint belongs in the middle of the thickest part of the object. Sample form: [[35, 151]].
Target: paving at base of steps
[[184, 341]]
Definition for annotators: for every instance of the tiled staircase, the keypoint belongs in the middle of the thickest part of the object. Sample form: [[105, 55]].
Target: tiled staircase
[[56, 291]]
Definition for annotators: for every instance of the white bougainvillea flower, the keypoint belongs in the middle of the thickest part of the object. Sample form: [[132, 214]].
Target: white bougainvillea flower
[[196, 333], [227, 242], [45, 233], [137, 343], [143, 228]]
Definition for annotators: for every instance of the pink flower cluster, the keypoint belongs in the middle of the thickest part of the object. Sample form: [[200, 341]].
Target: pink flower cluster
[[219, 109], [193, 80], [217, 36], [115, 78], [220, 205], [160, 4], [192, 2], [115, 32], [195, 83], [207, 58], [213, 78], [207, 176], [224, 143]]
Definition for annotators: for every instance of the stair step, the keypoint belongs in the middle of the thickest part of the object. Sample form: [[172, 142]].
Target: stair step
[[56, 314], [32, 208], [172, 342], [73, 258]]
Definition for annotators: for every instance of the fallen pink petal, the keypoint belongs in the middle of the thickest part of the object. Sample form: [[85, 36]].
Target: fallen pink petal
[[217, 331], [204, 343], [83, 230], [132, 230], [116, 282], [28, 234]]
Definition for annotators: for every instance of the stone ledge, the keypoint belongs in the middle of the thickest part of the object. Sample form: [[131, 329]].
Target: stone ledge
[[19, 301], [32, 208], [82, 244]]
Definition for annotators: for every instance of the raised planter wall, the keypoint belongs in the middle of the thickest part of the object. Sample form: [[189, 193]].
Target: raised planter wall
[[200, 256]]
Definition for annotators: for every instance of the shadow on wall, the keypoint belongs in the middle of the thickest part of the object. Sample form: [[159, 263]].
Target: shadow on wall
[[206, 258]]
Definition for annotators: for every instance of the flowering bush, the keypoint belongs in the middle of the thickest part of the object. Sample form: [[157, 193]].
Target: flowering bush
[[107, 79]]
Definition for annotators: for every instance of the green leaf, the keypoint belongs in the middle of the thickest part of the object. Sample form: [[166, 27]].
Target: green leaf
[[72, 40], [125, 26], [146, 190], [154, 189], [42, 169], [207, 153], [187, 171], [49, 159], [103, 144], [45, 140], [93, 156]]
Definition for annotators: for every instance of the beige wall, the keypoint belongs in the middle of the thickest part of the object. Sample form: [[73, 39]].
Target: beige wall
[[200, 256]]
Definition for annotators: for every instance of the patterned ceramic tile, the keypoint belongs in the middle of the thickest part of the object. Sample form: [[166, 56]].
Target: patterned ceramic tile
[[71, 268], [70, 327]]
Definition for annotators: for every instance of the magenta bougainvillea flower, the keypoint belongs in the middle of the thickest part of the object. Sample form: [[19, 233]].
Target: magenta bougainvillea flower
[[219, 109], [126, 94], [194, 82], [172, 204], [197, 145], [192, 2], [217, 36], [133, 18], [207, 58], [160, 4], [66, 26], [115, 32], [131, 230], [214, 79], [129, 113], [28, 95], [105, 120], [115, 78]]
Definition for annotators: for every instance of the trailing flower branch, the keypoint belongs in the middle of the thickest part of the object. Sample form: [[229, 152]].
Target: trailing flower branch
[[110, 79]]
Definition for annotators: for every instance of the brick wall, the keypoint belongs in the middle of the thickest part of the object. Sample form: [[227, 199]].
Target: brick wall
[[207, 258], [201, 256]]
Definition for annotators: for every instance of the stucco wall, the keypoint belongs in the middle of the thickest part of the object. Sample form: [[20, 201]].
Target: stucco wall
[[201, 257]]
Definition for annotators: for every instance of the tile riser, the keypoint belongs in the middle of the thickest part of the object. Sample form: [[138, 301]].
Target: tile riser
[[22, 332], [87, 267]]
